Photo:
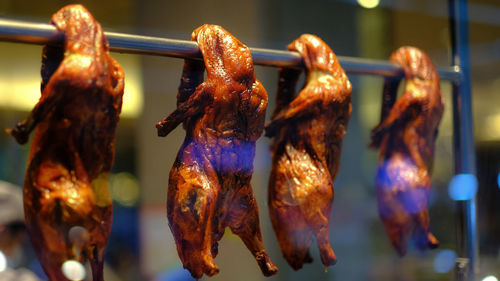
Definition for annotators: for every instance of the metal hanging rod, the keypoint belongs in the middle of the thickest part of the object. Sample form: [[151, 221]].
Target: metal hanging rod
[[39, 33]]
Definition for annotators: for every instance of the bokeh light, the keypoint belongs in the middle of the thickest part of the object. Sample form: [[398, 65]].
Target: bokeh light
[[490, 278], [498, 180], [78, 236], [73, 270], [124, 188], [369, 4], [444, 261], [463, 187], [3, 262]]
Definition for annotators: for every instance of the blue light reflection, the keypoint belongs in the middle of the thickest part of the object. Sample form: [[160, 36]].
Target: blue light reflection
[[444, 261], [463, 187], [498, 180]]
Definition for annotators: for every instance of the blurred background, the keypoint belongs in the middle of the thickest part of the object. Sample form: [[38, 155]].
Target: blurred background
[[141, 246]]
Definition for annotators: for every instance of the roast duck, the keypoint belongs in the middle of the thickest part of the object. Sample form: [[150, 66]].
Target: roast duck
[[307, 131], [209, 186], [67, 205], [405, 138]]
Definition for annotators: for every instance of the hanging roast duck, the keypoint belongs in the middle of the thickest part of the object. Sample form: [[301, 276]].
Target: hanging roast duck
[[307, 132], [67, 205], [209, 187], [405, 137]]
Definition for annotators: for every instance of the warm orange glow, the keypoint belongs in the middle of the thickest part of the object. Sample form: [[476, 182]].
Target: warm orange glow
[[20, 82]]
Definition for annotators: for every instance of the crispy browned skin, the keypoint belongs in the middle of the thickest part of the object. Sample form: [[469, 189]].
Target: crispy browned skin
[[209, 187], [307, 133], [66, 182], [405, 137]]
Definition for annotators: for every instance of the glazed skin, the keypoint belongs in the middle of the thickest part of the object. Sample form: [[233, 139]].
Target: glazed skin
[[405, 137], [67, 206], [307, 132], [209, 187]]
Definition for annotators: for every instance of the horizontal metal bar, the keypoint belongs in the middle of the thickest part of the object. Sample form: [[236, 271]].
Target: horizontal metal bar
[[39, 33]]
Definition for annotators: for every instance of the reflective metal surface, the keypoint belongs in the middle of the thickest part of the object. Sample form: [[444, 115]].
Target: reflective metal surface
[[36, 33], [463, 141]]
